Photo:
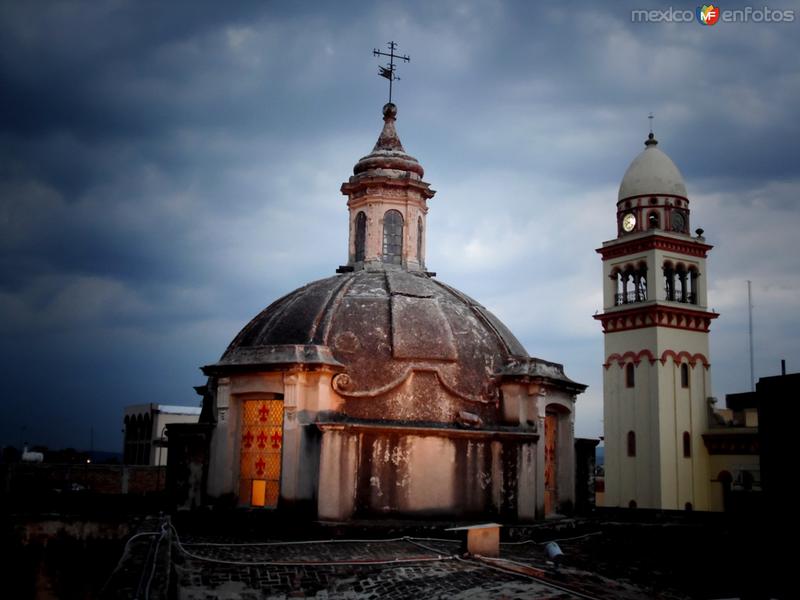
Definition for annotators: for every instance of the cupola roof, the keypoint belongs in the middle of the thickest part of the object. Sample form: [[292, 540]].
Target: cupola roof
[[388, 157], [652, 172]]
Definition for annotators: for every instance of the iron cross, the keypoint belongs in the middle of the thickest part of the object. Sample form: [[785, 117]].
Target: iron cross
[[389, 71]]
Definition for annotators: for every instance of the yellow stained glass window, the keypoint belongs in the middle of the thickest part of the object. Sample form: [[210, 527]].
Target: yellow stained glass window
[[260, 451]]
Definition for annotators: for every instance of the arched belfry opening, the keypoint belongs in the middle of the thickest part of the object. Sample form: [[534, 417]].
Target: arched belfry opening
[[630, 283]]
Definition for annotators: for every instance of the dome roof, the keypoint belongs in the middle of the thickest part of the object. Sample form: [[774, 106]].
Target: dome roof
[[388, 157], [652, 172], [378, 326]]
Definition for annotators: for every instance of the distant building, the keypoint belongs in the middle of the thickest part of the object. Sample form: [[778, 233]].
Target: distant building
[[733, 445], [382, 391], [144, 440], [778, 415], [752, 443]]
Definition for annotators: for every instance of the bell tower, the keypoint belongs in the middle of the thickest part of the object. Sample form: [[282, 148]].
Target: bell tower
[[655, 319]]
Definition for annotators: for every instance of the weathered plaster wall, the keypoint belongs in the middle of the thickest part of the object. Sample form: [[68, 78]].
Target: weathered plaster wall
[[386, 473]]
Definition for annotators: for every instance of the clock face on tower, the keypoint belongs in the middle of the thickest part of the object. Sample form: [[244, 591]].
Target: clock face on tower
[[628, 222], [678, 222]]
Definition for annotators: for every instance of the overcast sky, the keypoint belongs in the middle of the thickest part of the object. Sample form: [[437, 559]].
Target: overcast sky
[[169, 169]]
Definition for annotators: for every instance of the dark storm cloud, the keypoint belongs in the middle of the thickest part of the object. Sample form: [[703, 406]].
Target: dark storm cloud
[[167, 169]]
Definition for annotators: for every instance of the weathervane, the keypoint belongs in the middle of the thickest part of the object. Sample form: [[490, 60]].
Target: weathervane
[[388, 71]]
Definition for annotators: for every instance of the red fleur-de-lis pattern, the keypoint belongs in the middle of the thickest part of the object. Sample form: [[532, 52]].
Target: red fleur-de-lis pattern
[[261, 445]]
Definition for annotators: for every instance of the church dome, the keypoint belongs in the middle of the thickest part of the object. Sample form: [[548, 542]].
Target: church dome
[[652, 173], [395, 343], [379, 326]]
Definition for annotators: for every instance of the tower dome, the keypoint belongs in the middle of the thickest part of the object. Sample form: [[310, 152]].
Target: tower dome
[[652, 173]]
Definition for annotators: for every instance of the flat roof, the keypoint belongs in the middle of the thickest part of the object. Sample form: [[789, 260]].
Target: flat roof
[[170, 409]]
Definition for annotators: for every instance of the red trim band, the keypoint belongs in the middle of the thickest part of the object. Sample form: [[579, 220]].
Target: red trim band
[[656, 315]]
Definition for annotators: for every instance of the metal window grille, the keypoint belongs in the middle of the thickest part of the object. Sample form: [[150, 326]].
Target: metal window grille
[[361, 236], [393, 237]]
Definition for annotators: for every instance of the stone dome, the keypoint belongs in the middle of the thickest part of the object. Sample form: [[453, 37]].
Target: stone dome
[[652, 173], [396, 344], [394, 334]]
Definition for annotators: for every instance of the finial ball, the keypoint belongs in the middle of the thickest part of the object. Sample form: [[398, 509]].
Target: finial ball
[[389, 110]]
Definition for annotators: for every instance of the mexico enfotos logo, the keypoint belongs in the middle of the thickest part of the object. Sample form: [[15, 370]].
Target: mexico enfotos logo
[[712, 14]]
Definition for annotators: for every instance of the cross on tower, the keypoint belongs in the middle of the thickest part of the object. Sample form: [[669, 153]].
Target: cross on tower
[[651, 117], [389, 71]]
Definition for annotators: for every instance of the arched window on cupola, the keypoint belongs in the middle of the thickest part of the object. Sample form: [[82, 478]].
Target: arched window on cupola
[[361, 236], [653, 222], [393, 237], [420, 233]]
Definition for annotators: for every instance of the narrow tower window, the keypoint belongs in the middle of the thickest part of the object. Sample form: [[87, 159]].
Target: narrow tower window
[[630, 375], [653, 221], [681, 281], [419, 242], [631, 443], [687, 445], [669, 281], [393, 237], [361, 236], [640, 278], [693, 275], [684, 375]]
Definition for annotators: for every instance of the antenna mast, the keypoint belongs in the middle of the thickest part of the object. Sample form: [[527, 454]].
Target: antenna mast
[[750, 332]]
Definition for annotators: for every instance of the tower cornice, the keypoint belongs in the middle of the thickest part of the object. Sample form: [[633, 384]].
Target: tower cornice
[[357, 186], [656, 315], [653, 241]]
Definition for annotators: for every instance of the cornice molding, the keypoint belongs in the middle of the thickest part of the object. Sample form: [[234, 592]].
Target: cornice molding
[[690, 246], [656, 315]]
